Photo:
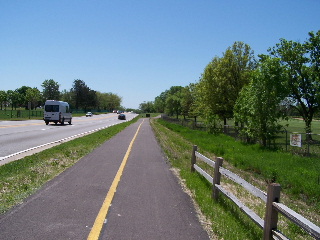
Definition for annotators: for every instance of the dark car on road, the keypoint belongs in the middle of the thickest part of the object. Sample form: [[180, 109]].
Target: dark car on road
[[121, 116]]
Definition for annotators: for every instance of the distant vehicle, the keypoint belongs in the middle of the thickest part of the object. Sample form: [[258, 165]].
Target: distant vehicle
[[121, 116], [57, 112], [114, 111], [119, 111], [89, 114]]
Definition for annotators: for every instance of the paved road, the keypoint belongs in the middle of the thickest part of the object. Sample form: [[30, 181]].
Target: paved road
[[18, 138], [148, 202]]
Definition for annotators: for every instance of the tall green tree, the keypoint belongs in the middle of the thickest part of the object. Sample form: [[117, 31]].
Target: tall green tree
[[194, 111], [67, 96], [173, 101], [80, 92], [207, 90], [186, 100], [33, 95], [50, 90], [113, 101], [258, 105], [22, 91], [3, 98], [101, 100], [91, 100], [147, 107], [13, 98], [160, 102], [234, 70], [108, 101], [301, 61], [222, 80]]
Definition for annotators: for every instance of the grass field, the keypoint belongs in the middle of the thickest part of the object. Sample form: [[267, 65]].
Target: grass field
[[20, 114], [298, 176], [282, 138]]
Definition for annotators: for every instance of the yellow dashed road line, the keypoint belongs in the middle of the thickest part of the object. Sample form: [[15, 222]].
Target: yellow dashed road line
[[97, 226]]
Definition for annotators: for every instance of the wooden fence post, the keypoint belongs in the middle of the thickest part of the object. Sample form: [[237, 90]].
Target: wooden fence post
[[193, 157], [216, 177], [271, 216]]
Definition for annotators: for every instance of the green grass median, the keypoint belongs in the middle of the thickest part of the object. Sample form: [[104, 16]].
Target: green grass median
[[21, 178]]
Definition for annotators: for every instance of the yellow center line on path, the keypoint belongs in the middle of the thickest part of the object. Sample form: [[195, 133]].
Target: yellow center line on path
[[97, 226]]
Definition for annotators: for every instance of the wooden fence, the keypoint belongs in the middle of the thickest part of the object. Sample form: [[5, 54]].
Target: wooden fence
[[271, 199]]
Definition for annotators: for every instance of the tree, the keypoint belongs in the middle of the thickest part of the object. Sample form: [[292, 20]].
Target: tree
[[186, 100], [91, 100], [207, 90], [13, 98], [108, 101], [173, 100], [222, 80], [194, 110], [301, 61], [147, 107], [113, 101], [22, 102], [66, 96], [258, 104], [160, 102], [233, 72], [101, 100], [33, 95], [50, 90], [3, 98], [79, 92]]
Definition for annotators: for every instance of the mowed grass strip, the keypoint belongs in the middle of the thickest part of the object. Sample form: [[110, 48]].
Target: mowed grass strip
[[226, 221], [297, 175], [21, 178]]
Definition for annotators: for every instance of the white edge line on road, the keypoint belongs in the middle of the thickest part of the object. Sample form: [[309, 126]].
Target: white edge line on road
[[55, 142]]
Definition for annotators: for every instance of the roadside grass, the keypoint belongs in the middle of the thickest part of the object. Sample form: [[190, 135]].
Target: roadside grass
[[298, 125], [282, 138], [20, 115], [21, 178], [222, 217], [298, 177]]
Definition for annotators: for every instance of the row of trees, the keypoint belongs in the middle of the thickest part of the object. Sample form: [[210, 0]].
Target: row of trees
[[80, 96], [256, 93]]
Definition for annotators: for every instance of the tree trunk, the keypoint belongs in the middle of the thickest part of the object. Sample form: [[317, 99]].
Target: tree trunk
[[264, 141], [308, 130]]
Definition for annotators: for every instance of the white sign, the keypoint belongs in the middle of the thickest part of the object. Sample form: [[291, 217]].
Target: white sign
[[295, 140]]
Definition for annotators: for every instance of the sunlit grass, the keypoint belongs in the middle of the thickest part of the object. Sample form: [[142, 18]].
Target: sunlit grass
[[21, 178], [298, 177]]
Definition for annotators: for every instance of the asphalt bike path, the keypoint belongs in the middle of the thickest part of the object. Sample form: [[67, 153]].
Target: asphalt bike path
[[124, 189]]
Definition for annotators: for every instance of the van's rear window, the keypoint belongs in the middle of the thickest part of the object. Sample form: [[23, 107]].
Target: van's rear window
[[51, 108]]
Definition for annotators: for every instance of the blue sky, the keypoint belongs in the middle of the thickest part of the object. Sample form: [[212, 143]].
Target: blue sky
[[137, 49]]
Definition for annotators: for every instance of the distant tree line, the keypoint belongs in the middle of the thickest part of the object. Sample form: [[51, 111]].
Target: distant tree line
[[80, 96], [256, 93]]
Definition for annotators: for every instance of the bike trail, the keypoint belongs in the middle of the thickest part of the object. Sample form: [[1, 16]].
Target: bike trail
[[124, 189]]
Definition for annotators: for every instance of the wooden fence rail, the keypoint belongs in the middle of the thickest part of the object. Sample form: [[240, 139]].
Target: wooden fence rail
[[271, 199]]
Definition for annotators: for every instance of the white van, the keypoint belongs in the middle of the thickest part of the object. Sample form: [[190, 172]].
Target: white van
[[57, 112]]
